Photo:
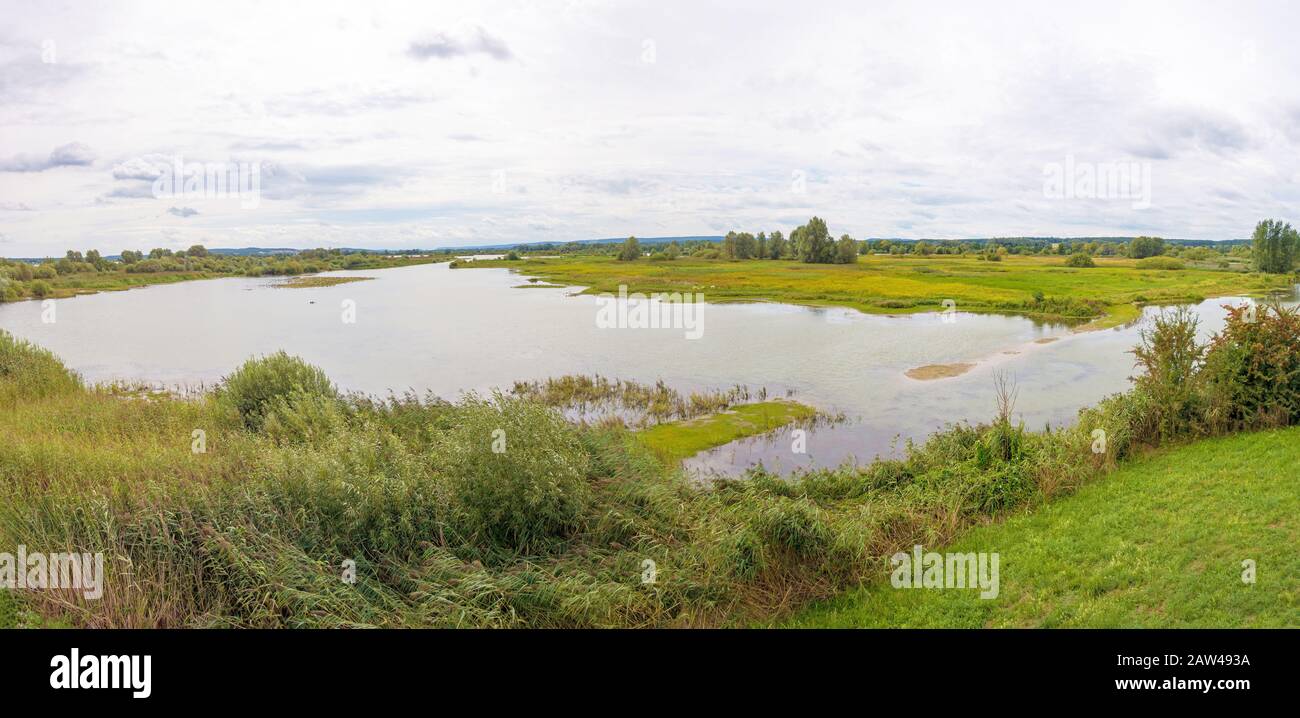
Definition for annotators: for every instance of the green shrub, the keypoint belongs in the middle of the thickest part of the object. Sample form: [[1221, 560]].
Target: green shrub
[[1170, 356], [1167, 263], [41, 288], [1082, 260], [304, 418], [1252, 369], [30, 371], [516, 471], [260, 383]]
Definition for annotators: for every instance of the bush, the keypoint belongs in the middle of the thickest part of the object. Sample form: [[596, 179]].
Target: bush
[[261, 383], [1171, 356], [31, 371], [1081, 260], [1168, 263], [304, 418], [1142, 247], [517, 472], [1253, 369], [41, 288]]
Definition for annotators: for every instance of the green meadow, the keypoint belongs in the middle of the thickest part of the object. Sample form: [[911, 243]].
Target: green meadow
[[1038, 286], [1160, 543]]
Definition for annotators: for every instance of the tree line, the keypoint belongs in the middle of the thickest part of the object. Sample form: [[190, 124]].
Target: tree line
[[1274, 248]]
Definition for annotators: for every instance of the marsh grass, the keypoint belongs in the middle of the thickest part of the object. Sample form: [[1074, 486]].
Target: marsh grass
[[555, 530], [1038, 286]]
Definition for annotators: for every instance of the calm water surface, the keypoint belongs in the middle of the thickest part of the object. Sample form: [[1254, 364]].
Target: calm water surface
[[429, 328]]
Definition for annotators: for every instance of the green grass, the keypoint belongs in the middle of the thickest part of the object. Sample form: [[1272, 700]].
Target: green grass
[[677, 440], [8, 610], [1159, 543], [311, 282], [1108, 294], [115, 278]]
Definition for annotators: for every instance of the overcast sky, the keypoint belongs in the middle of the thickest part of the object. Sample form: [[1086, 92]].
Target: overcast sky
[[453, 123]]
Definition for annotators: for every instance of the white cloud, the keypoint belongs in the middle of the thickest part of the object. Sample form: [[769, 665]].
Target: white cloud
[[411, 125]]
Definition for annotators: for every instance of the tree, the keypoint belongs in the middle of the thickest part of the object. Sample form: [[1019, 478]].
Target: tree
[[776, 245], [197, 250], [746, 246], [131, 257], [1274, 246], [813, 242], [630, 251], [729, 245], [1142, 247], [846, 250], [1083, 260]]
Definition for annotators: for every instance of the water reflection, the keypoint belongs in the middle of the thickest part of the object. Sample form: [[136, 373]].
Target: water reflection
[[430, 328]]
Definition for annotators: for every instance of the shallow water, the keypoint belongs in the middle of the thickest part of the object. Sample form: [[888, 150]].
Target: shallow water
[[428, 328]]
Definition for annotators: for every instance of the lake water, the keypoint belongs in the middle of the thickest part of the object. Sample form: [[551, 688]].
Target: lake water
[[429, 328]]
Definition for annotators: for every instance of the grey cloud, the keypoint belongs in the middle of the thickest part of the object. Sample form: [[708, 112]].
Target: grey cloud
[[73, 154], [132, 191], [182, 211], [15, 207], [1199, 130], [284, 182], [611, 185], [441, 46], [28, 77]]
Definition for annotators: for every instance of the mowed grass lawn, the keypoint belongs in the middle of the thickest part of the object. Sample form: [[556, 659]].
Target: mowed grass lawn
[[1159, 543], [893, 284]]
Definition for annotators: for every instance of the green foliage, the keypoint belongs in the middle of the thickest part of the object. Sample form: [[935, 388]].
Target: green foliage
[[30, 372], [630, 250], [846, 250], [516, 470], [1275, 246], [1252, 369], [261, 384], [1170, 356], [813, 243], [1081, 260], [1164, 263], [1142, 247]]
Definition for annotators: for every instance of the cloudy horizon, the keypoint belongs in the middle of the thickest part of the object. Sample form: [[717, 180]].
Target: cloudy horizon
[[405, 126]]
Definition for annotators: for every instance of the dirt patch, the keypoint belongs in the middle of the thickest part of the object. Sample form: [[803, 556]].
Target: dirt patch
[[939, 371]]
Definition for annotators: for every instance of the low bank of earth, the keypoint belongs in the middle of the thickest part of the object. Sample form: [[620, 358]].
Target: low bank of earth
[[1159, 543], [677, 440]]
